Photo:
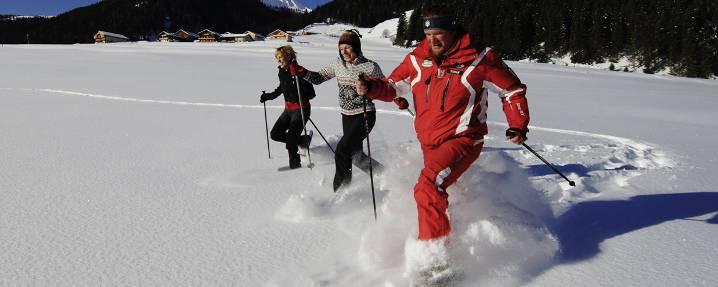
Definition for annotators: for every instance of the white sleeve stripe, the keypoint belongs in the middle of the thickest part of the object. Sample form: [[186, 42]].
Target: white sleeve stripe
[[494, 88], [466, 116], [418, 70]]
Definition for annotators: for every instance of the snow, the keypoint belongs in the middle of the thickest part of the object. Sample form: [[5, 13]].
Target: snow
[[622, 64], [146, 164], [113, 35], [387, 29], [379, 33], [293, 5]]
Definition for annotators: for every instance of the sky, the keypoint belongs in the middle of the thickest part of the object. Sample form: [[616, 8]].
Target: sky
[[55, 7]]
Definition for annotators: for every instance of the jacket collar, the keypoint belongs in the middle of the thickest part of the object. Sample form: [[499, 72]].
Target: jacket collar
[[464, 50]]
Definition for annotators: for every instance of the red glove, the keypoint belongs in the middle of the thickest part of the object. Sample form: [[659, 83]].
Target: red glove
[[402, 103], [297, 70]]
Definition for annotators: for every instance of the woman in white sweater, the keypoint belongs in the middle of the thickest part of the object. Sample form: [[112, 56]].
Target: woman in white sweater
[[347, 69]]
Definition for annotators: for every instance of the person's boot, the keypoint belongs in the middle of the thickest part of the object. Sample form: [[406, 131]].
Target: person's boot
[[341, 180], [337, 182], [427, 263], [294, 160], [305, 140]]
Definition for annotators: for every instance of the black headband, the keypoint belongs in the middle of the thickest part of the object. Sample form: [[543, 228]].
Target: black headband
[[440, 22]]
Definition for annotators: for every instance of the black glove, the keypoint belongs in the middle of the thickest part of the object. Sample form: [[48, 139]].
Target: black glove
[[366, 82], [511, 132], [401, 102], [265, 97]]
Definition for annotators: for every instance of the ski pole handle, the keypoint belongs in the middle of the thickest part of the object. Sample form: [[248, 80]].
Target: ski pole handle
[[410, 112]]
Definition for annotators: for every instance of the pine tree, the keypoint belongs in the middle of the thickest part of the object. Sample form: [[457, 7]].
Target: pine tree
[[414, 31], [401, 30]]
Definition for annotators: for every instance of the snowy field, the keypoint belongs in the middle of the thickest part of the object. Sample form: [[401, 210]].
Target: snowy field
[[145, 164]]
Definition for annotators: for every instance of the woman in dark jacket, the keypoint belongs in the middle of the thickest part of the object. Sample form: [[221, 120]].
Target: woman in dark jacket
[[289, 125]]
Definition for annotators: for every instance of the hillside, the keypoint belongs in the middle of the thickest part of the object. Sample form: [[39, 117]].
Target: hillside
[[143, 20]]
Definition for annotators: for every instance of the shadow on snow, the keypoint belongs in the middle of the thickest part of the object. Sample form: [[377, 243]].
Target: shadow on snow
[[582, 228]]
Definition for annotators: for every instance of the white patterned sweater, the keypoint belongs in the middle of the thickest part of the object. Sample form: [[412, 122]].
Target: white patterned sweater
[[347, 74]]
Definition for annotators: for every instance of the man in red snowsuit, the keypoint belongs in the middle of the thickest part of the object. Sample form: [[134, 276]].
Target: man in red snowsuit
[[450, 73]]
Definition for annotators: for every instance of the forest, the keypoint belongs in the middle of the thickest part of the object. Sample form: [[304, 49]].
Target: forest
[[656, 34], [680, 35]]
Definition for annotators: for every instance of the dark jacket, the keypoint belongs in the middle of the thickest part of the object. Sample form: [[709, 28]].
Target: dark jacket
[[288, 87]]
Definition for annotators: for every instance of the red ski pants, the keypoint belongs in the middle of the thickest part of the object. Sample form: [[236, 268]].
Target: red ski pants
[[443, 165]]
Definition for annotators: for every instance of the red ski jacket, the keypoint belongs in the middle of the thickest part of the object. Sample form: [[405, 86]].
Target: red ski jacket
[[450, 99]]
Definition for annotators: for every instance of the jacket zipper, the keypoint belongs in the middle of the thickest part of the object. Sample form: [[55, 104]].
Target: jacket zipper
[[443, 96], [428, 89]]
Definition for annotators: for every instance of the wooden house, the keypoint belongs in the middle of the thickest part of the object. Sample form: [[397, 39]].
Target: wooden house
[[255, 36], [208, 36], [305, 33], [107, 37], [184, 36], [165, 36], [279, 35], [235, 38]]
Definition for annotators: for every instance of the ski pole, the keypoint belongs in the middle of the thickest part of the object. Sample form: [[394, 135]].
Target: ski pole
[[304, 123], [368, 147], [266, 126], [320, 133], [410, 112], [570, 182]]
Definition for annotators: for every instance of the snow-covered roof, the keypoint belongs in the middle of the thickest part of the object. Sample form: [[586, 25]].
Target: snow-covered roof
[[257, 35], [210, 31], [278, 31], [233, 35], [110, 34], [188, 33]]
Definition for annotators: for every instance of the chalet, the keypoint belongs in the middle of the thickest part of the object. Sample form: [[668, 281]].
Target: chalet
[[305, 33], [279, 35], [165, 36], [255, 36], [235, 38], [107, 37], [184, 36], [208, 36]]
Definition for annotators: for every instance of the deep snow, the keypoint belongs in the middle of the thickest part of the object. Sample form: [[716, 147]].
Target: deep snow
[[146, 164]]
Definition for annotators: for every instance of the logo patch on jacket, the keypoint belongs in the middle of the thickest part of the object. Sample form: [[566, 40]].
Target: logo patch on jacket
[[427, 63]]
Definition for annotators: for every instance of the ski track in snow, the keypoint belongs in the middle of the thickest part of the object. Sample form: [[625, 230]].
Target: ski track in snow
[[504, 237], [639, 148]]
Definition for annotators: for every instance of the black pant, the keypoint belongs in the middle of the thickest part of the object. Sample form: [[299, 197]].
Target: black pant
[[351, 143], [289, 127]]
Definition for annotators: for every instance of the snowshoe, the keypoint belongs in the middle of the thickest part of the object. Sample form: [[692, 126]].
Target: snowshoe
[[306, 140], [438, 276], [341, 181]]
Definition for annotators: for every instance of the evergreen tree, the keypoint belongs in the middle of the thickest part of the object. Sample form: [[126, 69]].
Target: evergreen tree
[[655, 34], [401, 30], [414, 31]]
